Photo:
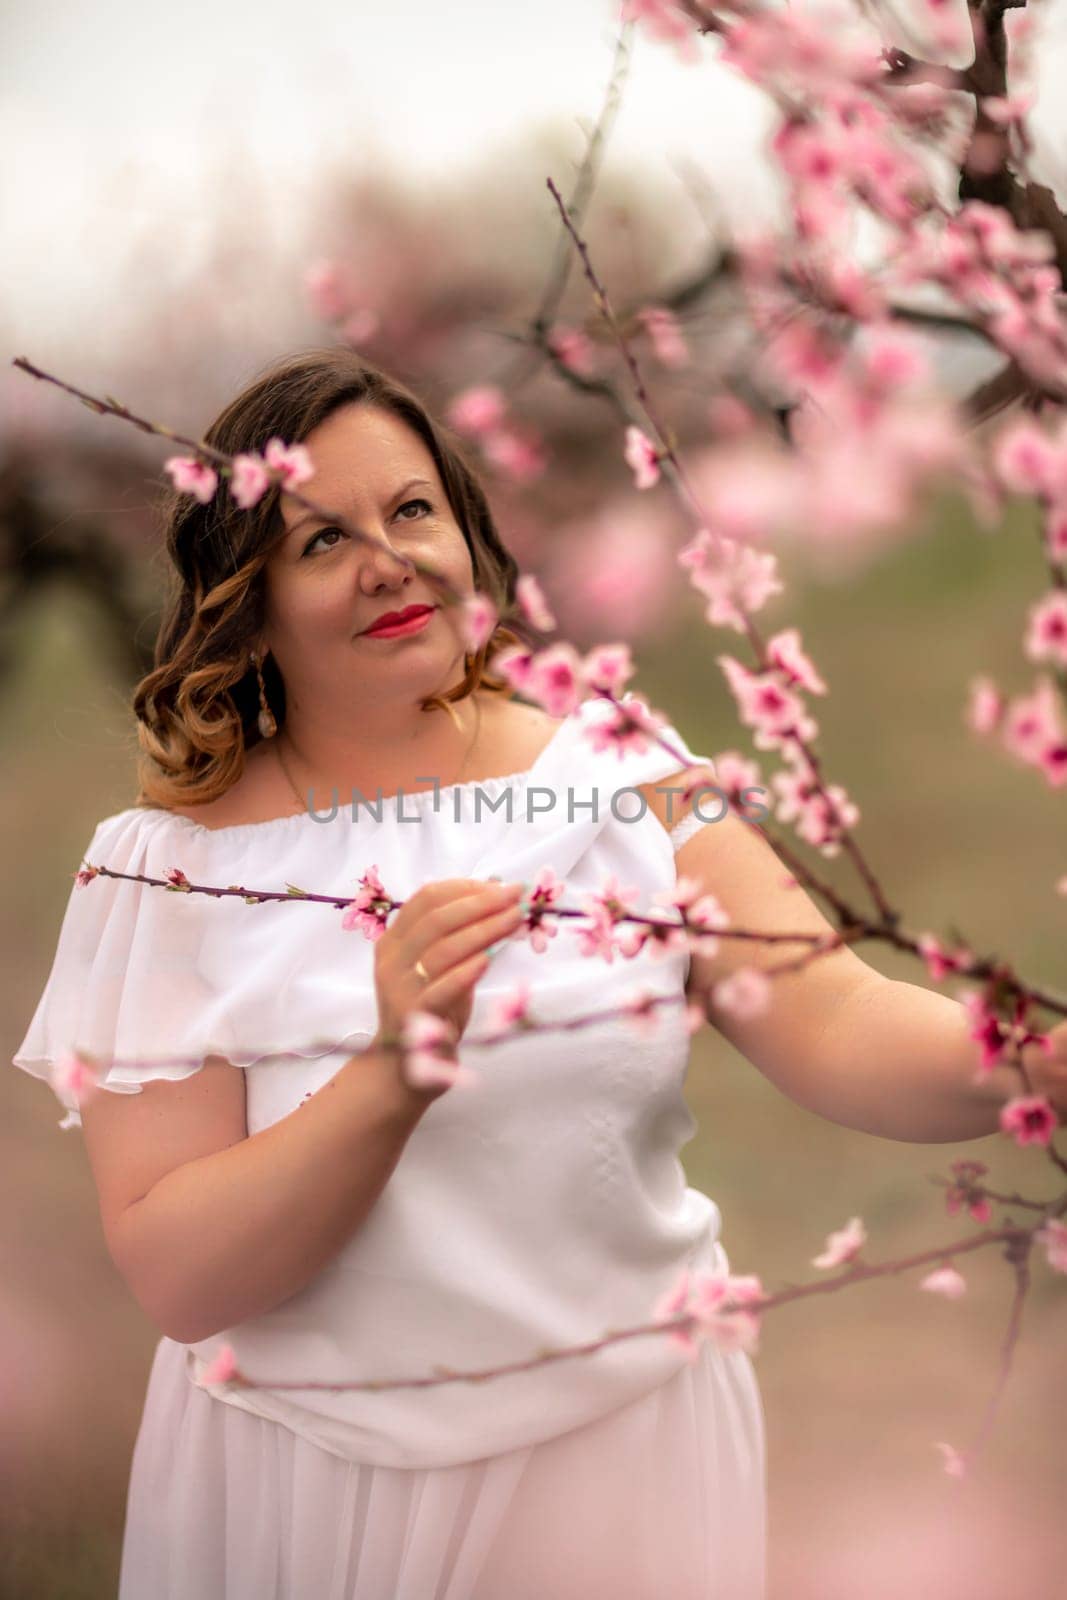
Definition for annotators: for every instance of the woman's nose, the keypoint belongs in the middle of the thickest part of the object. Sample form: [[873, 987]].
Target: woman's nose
[[380, 560]]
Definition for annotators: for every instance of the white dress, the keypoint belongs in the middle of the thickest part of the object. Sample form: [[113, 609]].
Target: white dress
[[539, 1207]]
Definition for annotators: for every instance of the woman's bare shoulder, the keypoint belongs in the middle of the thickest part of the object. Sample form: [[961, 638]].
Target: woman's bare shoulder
[[253, 798], [519, 732]]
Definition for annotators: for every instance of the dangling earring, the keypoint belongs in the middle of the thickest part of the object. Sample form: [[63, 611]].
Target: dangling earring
[[265, 722]]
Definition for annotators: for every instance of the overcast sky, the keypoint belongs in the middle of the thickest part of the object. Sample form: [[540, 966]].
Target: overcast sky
[[112, 111]]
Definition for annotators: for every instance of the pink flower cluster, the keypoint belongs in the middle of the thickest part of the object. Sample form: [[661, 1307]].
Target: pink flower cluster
[[369, 909], [558, 676], [770, 703], [1004, 276], [250, 474], [665, 336], [480, 412], [332, 292], [430, 1059], [1029, 726], [965, 1191], [724, 1308]]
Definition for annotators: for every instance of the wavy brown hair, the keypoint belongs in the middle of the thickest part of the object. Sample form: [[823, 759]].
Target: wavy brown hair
[[197, 709]]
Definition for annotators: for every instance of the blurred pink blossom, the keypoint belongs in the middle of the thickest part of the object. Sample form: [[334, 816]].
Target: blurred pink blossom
[[843, 1246], [192, 476]]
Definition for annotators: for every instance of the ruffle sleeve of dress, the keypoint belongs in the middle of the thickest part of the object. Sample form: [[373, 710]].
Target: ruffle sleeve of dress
[[536, 1208]]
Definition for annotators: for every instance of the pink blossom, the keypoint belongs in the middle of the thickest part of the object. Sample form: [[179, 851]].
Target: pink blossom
[[608, 667], [734, 773], [605, 909], [893, 361], [1053, 762], [745, 993], [596, 938], [249, 480], [429, 1043], [939, 960], [763, 702], [984, 707], [808, 153], [724, 1305], [699, 912], [478, 618], [665, 21], [695, 1017], [630, 726], [177, 879], [510, 1011], [533, 604], [673, 1303], [843, 1246], [369, 910], [954, 1463], [223, 1369], [555, 679], [785, 653], [847, 287], [1056, 533], [964, 1191], [821, 818], [737, 579], [644, 1008], [327, 289], [1053, 1235], [360, 326], [1032, 722], [1005, 109], [617, 564], [729, 417], [293, 461], [945, 1280], [642, 458], [520, 455], [987, 1030], [1029, 1118], [544, 893], [192, 476], [84, 876], [574, 348], [665, 335], [1047, 635], [75, 1074], [477, 411], [1025, 458], [516, 663]]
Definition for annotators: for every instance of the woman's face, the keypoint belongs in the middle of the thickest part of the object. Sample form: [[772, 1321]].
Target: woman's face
[[324, 587]]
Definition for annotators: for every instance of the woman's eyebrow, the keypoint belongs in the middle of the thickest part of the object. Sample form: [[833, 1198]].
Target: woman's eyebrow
[[315, 516]]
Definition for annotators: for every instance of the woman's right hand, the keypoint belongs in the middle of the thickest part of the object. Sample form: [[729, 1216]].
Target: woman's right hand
[[447, 925]]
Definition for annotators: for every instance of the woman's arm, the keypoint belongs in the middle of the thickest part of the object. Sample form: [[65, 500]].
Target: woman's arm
[[838, 1037], [898, 1061], [210, 1226]]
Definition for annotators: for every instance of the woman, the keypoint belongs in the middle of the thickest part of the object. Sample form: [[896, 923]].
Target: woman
[[333, 1224]]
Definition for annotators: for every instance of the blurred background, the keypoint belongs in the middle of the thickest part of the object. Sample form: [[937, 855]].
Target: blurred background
[[189, 197]]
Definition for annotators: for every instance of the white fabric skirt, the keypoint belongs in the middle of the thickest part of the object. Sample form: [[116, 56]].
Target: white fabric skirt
[[664, 1497]]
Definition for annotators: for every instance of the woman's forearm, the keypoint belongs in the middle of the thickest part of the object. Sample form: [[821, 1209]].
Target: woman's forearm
[[899, 1062], [233, 1234]]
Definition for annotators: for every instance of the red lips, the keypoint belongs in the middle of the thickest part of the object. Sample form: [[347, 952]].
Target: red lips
[[389, 618]]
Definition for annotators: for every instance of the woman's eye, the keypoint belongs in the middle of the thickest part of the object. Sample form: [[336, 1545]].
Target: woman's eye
[[324, 531], [407, 503], [320, 535]]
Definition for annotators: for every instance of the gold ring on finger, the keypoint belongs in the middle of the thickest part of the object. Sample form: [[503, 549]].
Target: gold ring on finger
[[421, 970]]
